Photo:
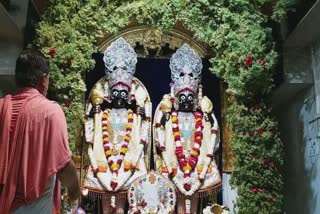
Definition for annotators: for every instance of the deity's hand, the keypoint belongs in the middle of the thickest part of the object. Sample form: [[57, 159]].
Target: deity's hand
[[141, 111], [208, 117], [165, 117]]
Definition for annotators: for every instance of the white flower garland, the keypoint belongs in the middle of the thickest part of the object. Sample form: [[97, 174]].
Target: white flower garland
[[207, 158], [121, 180], [113, 203], [94, 165], [195, 185], [188, 206]]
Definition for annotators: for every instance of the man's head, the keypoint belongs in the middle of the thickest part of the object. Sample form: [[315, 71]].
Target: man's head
[[32, 70]]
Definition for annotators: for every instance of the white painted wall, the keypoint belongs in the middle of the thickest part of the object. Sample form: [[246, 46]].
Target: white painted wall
[[316, 73], [300, 129], [229, 195]]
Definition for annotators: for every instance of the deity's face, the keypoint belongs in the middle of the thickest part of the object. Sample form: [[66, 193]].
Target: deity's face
[[119, 96], [186, 101]]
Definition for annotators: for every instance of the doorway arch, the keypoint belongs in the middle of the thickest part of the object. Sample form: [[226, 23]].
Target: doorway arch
[[243, 57]]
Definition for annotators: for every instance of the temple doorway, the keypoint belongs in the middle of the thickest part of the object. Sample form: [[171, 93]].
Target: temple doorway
[[154, 73]]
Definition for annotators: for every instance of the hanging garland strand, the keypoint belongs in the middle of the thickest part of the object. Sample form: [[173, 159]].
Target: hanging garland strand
[[244, 57]]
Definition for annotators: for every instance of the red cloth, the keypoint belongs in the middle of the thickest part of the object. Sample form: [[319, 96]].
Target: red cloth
[[5, 117], [36, 149]]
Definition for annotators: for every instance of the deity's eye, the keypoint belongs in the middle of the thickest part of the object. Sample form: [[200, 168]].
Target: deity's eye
[[190, 75], [115, 93], [115, 68], [190, 97], [123, 94], [181, 74], [183, 97]]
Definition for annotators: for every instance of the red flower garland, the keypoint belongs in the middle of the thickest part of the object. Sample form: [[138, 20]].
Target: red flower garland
[[115, 166], [187, 164]]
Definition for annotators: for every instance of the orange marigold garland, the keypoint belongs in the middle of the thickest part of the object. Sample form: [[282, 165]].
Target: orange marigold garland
[[115, 166], [187, 164]]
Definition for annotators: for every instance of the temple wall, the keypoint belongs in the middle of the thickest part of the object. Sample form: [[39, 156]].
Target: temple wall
[[11, 43], [300, 131], [302, 165], [229, 195], [9, 52]]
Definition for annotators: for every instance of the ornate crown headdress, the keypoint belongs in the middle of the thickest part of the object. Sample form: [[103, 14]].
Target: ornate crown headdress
[[120, 61], [185, 66]]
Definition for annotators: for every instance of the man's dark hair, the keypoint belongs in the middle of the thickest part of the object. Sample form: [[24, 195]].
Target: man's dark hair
[[30, 67]]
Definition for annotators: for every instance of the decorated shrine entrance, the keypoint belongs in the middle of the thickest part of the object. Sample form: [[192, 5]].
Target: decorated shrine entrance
[[235, 35], [154, 51], [156, 76]]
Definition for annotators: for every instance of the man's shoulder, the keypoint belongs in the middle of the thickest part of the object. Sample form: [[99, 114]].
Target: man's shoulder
[[8, 96], [47, 106]]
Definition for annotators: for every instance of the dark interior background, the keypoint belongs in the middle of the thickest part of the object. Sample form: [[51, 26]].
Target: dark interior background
[[155, 74]]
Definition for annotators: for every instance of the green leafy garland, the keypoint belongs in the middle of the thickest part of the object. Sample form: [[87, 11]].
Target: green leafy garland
[[238, 34]]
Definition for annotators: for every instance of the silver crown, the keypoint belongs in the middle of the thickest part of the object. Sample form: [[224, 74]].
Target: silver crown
[[120, 61], [186, 66]]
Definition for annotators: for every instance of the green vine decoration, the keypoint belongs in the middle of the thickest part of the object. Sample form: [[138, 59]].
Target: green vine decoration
[[244, 57]]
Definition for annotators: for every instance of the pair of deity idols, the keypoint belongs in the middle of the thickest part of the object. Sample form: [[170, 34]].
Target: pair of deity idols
[[118, 131]]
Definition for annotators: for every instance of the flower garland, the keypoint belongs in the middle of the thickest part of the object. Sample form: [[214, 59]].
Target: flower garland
[[116, 182], [109, 150], [187, 164], [66, 80], [113, 204], [188, 206], [95, 169]]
